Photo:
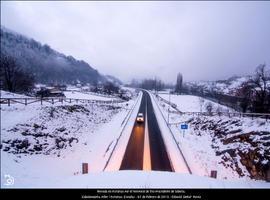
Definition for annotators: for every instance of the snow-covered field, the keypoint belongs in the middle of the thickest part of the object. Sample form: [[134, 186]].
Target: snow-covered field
[[189, 103], [86, 95], [215, 142], [41, 145]]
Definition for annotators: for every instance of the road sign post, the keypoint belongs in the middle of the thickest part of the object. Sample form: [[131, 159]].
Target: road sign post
[[183, 128]]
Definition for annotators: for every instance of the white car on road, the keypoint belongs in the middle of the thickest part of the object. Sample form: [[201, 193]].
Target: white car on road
[[140, 117]]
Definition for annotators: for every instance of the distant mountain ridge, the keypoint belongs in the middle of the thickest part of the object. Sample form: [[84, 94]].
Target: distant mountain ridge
[[46, 64]]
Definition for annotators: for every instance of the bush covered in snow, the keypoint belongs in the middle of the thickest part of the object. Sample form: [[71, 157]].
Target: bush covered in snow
[[55, 128]]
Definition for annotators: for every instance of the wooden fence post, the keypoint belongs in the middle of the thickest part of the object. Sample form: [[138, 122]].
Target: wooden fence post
[[85, 168], [8, 102], [268, 176], [268, 173], [213, 174]]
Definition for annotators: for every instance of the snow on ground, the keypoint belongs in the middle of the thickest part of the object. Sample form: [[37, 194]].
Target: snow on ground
[[190, 103], [200, 155], [129, 89], [48, 144], [215, 142], [234, 85], [241, 144], [5, 94], [86, 95], [228, 87], [152, 179], [43, 144]]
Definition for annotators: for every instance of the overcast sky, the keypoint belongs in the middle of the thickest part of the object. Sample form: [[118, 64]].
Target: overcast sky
[[203, 40]]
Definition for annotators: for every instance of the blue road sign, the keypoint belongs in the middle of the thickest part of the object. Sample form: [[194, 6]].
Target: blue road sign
[[184, 126]]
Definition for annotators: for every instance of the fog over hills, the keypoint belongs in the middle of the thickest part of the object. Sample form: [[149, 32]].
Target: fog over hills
[[46, 64]]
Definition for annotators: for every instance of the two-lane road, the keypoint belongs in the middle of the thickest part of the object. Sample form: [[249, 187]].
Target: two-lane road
[[133, 157]]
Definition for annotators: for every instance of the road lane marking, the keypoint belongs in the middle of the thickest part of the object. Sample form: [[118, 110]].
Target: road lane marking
[[146, 151]]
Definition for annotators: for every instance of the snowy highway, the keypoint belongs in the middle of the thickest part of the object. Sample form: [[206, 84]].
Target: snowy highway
[[135, 100], [140, 154], [134, 154]]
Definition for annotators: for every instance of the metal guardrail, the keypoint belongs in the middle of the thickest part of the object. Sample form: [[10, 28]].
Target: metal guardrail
[[53, 100], [265, 116], [169, 103], [228, 114]]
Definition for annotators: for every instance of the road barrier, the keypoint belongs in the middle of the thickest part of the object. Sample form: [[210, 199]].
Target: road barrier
[[174, 106], [265, 116]]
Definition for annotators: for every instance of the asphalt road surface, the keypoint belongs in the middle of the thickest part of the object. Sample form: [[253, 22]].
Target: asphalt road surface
[[133, 157]]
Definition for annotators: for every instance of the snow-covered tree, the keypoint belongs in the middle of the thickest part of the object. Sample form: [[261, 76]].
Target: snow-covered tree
[[261, 88], [255, 92]]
